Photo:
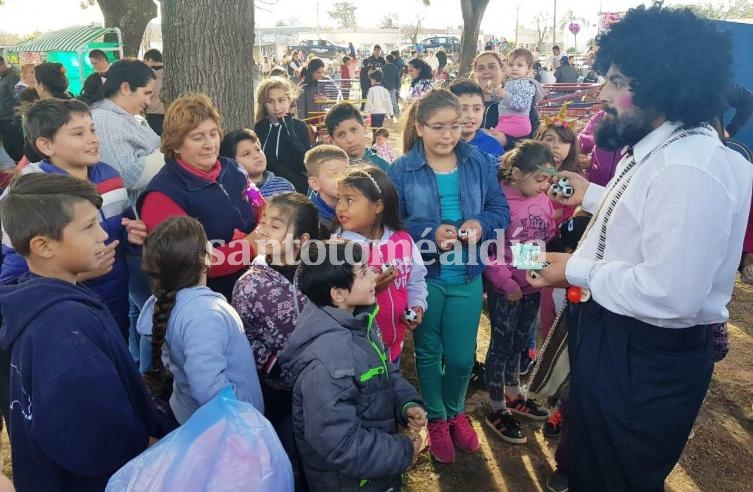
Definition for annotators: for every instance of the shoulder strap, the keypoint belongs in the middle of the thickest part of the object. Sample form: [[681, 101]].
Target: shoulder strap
[[617, 190]]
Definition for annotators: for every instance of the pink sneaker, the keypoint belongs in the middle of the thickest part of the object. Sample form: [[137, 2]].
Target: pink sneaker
[[440, 443], [463, 434]]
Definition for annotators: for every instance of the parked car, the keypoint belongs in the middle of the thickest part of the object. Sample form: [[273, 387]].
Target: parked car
[[450, 44], [321, 48]]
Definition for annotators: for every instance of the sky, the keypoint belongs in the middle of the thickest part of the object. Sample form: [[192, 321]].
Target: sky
[[25, 16]]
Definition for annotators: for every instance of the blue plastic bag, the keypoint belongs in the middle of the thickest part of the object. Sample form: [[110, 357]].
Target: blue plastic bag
[[227, 445]]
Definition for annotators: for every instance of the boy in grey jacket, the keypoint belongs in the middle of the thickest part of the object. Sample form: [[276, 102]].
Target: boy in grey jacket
[[348, 399]]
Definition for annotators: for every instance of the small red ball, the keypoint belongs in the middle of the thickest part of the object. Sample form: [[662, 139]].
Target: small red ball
[[574, 295]]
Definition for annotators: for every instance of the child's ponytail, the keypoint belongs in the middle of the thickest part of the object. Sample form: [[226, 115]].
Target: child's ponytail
[[424, 108], [174, 258], [528, 156]]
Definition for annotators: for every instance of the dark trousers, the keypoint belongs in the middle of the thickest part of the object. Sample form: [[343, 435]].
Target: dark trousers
[[377, 122], [13, 139], [155, 122], [278, 409], [635, 392]]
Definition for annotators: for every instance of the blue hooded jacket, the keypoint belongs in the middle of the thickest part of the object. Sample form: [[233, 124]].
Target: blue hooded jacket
[[112, 288], [206, 350], [79, 410]]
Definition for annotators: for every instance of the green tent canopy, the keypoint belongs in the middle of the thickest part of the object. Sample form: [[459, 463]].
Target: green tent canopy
[[70, 46], [68, 39]]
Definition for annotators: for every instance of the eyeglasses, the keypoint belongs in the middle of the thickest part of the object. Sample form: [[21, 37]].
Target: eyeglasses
[[441, 129]]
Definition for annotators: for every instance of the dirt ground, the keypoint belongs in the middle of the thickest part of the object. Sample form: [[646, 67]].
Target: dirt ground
[[718, 457]]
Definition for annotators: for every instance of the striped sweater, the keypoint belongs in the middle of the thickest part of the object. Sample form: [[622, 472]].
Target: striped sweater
[[113, 287], [272, 185]]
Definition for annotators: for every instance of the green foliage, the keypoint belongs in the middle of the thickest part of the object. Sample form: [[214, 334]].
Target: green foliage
[[740, 9], [344, 13]]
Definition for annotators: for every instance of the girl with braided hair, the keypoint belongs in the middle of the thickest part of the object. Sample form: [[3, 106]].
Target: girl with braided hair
[[513, 304], [193, 330]]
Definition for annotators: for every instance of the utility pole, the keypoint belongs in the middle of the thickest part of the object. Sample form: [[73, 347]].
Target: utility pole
[[517, 12], [554, 25], [318, 34]]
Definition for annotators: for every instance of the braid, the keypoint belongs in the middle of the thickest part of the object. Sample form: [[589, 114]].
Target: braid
[[158, 380], [163, 306]]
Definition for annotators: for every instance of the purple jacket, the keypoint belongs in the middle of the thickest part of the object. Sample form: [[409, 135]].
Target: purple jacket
[[269, 306], [603, 162]]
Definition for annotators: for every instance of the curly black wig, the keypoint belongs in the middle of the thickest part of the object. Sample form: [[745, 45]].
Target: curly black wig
[[680, 64]]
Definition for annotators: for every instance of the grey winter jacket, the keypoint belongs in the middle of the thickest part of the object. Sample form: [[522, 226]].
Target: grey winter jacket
[[347, 402]]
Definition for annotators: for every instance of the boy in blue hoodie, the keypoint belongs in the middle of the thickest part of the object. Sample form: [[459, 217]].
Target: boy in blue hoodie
[[348, 399], [471, 97], [79, 410], [63, 133]]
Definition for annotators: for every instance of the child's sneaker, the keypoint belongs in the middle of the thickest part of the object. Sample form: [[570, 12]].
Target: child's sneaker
[[506, 427], [553, 425], [440, 442], [527, 408], [463, 434]]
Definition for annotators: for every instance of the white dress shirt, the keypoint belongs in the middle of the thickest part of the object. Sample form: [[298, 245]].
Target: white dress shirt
[[674, 239]]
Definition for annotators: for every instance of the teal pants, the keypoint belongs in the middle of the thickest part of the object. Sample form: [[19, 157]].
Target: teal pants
[[447, 333]]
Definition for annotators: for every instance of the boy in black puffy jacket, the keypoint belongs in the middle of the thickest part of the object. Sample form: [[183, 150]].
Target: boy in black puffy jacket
[[348, 399]]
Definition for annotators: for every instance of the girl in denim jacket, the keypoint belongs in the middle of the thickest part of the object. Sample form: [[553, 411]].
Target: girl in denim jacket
[[450, 202]]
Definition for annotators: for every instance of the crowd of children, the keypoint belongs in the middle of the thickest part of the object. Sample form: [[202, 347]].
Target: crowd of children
[[311, 337]]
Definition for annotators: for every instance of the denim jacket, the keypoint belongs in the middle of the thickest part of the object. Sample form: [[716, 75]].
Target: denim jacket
[[481, 197]]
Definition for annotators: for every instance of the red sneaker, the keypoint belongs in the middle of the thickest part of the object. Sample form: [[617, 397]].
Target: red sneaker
[[553, 425], [463, 434], [440, 442]]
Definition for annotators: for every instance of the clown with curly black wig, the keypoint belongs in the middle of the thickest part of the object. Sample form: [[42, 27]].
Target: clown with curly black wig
[[656, 267]]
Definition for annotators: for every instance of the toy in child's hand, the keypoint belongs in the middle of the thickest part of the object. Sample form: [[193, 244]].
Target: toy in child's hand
[[386, 267], [410, 315], [563, 186], [462, 233], [525, 257]]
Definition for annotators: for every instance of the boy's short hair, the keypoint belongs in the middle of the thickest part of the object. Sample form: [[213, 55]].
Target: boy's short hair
[[98, 55], [390, 58], [340, 112], [153, 54], [467, 87], [47, 116], [377, 76], [326, 265], [314, 158], [382, 132], [346, 59], [41, 204]]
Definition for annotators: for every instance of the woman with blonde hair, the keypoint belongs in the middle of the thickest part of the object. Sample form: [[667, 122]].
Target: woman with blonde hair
[[284, 139]]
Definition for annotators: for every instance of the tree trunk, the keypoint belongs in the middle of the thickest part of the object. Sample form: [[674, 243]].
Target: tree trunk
[[208, 47], [131, 17], [473, 12]]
